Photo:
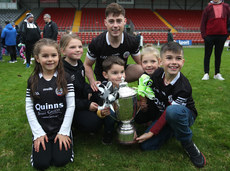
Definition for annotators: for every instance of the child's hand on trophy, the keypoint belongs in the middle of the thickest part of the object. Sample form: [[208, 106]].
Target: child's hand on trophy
[[143, 103], [105, 111]]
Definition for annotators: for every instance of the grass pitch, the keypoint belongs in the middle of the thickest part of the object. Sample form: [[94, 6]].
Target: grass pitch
[[211, 129]]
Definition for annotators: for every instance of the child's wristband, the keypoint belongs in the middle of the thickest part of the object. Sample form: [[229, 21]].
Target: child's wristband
[[99, 114]]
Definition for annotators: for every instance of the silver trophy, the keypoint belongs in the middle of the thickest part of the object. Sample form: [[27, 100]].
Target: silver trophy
[[125, 99], [127, 109]]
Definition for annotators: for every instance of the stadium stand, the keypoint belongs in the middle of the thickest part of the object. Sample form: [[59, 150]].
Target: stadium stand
[[146, 20], [182, 20], [152, 24], [92, 19], [63, 17], [10, 15]]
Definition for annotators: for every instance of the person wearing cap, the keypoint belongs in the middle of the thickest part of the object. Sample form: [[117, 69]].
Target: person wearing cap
[[50, 30], [9, 34], [30, 34], [214, 32]]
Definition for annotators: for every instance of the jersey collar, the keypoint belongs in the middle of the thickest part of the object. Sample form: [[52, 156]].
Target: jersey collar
[[41, 75], [107, 38], [174, 80]]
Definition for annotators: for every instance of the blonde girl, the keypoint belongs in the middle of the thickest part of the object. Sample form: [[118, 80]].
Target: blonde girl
[[150, 59], [85, 118]]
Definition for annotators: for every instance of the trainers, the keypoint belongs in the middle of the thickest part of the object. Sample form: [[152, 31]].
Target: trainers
[[27, 65], [11, 62], [107, 138], [194, 154], [218, 77], [205, 77]]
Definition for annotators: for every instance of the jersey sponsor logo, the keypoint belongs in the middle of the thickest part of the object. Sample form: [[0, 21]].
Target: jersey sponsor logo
[[37, 93], [48, 106], [59, 91], [126, 54], [72, 77], [48, 89], [103, 57]]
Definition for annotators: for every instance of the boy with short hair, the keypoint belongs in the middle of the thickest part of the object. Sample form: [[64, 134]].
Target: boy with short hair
[[113, 70], [116, 42], [174, 106]]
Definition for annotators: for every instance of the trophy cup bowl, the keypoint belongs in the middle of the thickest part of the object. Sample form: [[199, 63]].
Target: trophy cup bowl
[[127, 108]]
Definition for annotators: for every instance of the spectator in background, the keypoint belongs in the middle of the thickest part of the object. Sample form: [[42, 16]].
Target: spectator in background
[[9, 34], [214, 32], [1, 60], [50, 30], [30, 34], [17, 38], [170, 36]]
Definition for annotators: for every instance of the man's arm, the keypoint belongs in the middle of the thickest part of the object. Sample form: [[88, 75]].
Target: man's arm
[[88, 64], [55, 31], [137, 58]]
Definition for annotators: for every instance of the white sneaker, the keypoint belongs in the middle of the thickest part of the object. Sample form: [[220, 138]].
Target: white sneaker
[[205, 77], [218, 77]]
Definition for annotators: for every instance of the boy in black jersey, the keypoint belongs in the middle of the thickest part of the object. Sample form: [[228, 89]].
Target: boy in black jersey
[[113, 42], [174, 106]]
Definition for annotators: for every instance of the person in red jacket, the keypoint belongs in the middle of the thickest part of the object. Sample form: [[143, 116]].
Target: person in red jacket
[[214, 32]]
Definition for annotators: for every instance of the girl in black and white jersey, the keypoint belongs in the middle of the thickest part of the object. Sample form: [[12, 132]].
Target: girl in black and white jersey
[[85, 118], [50, 105]]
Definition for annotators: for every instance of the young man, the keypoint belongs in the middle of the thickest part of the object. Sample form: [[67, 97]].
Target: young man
[[174, 106], [113, 42], [50, 30]]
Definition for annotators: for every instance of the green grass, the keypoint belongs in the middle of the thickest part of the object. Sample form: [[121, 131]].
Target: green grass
[[211, 129]]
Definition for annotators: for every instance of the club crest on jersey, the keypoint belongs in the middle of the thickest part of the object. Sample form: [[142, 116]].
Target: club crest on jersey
[[59, 92], [126, 54]]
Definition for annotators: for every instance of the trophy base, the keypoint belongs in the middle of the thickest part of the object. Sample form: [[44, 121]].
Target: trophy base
[[127, 134]]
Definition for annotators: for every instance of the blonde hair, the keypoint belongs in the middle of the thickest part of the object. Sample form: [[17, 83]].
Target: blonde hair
[[149, 49], [66, 39]]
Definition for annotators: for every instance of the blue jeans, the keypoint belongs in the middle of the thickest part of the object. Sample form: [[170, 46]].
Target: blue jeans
[[178, 121]]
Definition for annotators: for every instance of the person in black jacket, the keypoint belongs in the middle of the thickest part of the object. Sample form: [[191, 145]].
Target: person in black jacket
[[85, 117], [30, 34], [51, 29]]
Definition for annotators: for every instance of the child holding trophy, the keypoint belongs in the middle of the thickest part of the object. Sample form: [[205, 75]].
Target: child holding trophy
[[113, 70], [174, 104]]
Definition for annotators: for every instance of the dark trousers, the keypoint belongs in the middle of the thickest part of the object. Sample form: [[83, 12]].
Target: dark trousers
[[29, 51], [51, 156], [87, 121], [12, 51], [210, 41]]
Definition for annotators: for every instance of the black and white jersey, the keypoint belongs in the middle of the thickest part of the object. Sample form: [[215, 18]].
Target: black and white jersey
[[49, 112], [82, 89], [178, 92], [100, 48]]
